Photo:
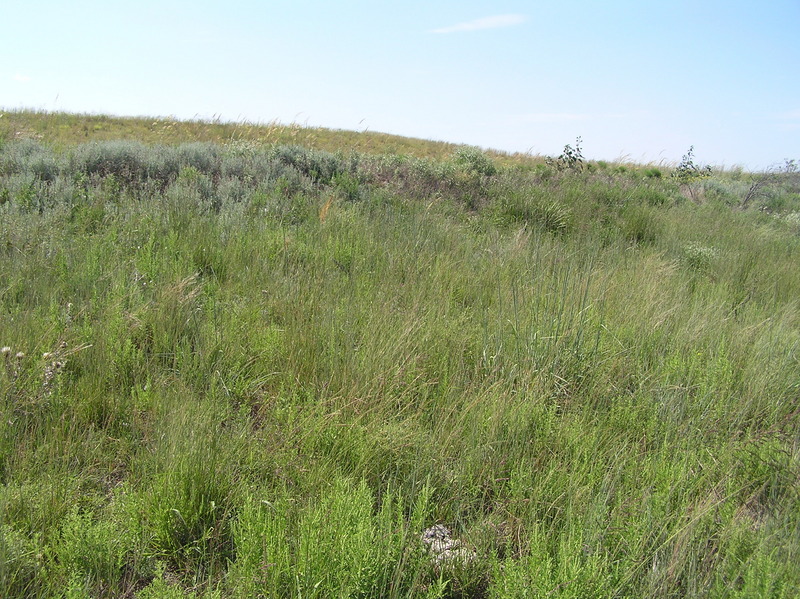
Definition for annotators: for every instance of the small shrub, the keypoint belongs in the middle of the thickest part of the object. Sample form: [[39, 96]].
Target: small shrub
[[204, 157], [30, 157], [161, 165], [126, 160], [320, 166], [93, 549], [160, 588], [198, 182], [339, 546], [87, 216], [474, 161], [688, 172], [29, 199], [571, 158], [348, 186]]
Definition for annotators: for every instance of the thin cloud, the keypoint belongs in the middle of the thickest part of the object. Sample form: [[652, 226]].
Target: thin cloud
[[21, 78], [567, 117], [494, 22], [554, 117]]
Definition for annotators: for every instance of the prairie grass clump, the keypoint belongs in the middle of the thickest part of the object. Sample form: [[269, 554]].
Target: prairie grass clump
[[521, 208], [652, 173], [640, 224]]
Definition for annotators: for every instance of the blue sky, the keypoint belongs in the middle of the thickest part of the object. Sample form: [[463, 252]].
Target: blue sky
[[639, 81]]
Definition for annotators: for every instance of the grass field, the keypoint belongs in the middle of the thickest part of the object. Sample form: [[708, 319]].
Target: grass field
[[261, 361]]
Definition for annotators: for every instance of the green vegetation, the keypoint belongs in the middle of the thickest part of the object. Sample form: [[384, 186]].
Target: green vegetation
[[239, 368]]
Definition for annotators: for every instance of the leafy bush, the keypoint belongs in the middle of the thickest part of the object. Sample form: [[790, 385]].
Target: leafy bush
[[571, 159], [93, 550], [687, 173], [348, 186], [474, 160], [320, 166], [687, 170], [126, 160], [30, 157]]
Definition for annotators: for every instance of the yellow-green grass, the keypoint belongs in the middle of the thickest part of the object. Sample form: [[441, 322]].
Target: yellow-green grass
[[65, 129]]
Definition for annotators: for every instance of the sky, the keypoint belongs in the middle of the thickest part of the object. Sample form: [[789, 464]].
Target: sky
[[638, 81]]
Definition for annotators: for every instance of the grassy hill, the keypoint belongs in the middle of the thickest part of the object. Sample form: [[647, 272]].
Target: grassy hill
[[64, 129], [262, 361]]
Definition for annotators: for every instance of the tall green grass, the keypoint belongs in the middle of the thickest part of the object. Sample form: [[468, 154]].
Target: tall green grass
[[277, 366]]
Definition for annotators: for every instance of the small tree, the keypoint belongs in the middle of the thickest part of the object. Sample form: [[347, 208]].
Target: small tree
[[688, 172], [571, 159]]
